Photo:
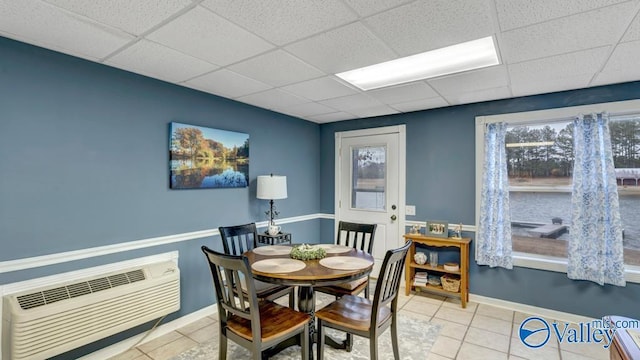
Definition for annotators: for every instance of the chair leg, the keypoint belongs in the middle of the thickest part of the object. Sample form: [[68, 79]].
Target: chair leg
[[320, 340], [222, 346], [366, 290], [304, 344], [394, 337], [292, 298], [373, 346]]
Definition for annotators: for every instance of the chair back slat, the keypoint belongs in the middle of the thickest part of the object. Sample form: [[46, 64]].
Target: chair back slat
[[388, 282], [229, 274], [357, 236], [239, 238]]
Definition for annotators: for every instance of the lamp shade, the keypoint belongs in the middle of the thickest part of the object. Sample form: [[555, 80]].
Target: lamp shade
[[272, 187]]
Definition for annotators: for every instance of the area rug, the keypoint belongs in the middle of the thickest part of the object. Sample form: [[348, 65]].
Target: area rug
[[415, 339]]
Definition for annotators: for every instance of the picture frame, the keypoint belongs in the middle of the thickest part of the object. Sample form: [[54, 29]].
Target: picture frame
[[437, 228], [202, 157]]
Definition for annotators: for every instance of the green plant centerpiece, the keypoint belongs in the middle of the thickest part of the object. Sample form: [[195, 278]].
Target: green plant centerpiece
[[307, 252]]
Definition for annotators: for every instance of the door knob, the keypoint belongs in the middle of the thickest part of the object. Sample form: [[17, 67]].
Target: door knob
[[393, 218]]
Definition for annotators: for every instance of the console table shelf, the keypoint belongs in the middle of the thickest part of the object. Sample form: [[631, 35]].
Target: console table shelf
[[411, 266]]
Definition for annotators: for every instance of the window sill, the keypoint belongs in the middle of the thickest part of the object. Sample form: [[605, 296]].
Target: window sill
[[549, 263]]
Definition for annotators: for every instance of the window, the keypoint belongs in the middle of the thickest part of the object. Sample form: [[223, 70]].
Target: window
[[540, 167], [368, 177]]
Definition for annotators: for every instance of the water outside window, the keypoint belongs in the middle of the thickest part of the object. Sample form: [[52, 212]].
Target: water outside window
[[368, 177]]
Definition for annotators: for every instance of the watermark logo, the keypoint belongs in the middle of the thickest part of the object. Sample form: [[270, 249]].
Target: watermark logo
[[536, 332]]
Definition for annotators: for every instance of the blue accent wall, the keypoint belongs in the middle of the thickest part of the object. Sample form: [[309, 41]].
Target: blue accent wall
[[441, 184], [84, 163]]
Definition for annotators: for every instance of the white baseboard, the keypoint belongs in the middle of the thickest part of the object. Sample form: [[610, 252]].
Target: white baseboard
[[529, 309], [131, 342]]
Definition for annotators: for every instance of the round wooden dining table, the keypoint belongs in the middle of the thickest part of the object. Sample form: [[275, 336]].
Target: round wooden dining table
[[357, 264]]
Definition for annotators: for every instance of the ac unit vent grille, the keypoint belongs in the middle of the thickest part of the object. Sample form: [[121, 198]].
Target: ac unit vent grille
[[57, 294], [49, 296]]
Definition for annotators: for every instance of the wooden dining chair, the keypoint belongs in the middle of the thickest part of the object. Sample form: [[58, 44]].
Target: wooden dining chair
[[254, 324], [357, 236], [364, 317], [240, 238]]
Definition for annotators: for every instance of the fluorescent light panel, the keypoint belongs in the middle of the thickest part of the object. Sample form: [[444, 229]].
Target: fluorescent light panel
[[469, 55]]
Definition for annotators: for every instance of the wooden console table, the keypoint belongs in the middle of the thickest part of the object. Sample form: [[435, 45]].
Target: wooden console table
[[411, 266]]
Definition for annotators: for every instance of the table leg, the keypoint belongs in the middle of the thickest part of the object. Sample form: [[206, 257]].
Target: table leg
[[307, 304]]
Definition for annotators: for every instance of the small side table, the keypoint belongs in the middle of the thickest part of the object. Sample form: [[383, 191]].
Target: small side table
[[281, 238]]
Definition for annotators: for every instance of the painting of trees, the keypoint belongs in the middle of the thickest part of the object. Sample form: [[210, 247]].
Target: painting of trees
[[202, 157]]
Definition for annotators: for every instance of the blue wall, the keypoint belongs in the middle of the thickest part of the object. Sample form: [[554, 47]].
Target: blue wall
[[84, 159], [441, 184]]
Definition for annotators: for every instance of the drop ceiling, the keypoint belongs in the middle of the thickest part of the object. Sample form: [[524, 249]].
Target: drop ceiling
[[282, 54]]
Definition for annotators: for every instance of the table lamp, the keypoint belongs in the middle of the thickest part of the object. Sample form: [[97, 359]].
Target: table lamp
[[272, 187]]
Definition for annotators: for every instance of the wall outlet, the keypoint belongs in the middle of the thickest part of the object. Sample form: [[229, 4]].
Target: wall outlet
[[410, 210]]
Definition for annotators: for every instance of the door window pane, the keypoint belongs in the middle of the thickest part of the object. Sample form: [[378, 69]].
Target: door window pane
[[368, 177]]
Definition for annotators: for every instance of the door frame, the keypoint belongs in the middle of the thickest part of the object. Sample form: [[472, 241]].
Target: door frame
[[402, 172]]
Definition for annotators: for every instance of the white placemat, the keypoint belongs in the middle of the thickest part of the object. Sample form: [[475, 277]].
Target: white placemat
[[279, 265], [272, 250], [335, 249], [345, 263]]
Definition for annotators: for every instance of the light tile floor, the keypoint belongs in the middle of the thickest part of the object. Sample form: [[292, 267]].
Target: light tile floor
[[476, 332]]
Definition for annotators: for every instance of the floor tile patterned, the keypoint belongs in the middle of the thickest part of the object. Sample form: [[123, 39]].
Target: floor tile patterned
[[475, 333]]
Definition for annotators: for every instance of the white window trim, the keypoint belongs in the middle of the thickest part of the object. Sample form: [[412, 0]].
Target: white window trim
[[632, 273]]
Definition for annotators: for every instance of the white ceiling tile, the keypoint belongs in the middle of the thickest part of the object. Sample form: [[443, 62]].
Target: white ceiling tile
[[402, 93], [633, 31], [622, 65], [478, 96], [134, 17], [422, 104], [469, 81], [348, 103], [346, 48], [518, 13], [374, 111], [616, 76], [336, 116], [546, 86], [586, 30], [368, 7], [320, 89], [309, 109], [283, 22], [207, 36], [555, 68], [151, 59], [272, 99], [47, 26], [426, 25], [226, 83], [276, 68]]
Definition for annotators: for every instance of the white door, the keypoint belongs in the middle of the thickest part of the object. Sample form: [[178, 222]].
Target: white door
[[370, 180]]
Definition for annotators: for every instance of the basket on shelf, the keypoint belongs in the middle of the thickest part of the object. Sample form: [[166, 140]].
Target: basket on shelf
[[450, 283]]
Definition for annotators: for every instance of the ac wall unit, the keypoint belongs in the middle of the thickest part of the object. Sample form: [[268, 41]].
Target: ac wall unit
[[43, 322]]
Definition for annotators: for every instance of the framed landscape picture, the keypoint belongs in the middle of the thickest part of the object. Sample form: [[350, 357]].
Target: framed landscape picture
[[201, 157]]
